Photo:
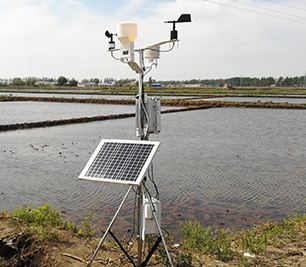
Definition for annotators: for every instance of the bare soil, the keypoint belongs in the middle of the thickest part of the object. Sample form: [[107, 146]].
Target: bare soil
[[22, 249]]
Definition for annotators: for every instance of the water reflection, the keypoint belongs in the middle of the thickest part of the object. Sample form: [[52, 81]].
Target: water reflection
[[219, 166], [27, 111], [84, 96], [291, 100]]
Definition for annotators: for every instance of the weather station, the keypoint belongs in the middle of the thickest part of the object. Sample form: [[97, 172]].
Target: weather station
[[129, 162]]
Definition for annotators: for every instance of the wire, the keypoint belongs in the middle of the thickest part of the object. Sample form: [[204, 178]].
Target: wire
[[149, 69], [147, 190], [134, 222], [251, 11], [286, 5], [269, 9], [151, 177], [112, 53], [146, 113]]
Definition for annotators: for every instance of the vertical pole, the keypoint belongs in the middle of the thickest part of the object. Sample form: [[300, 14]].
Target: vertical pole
[[141, 99], [140, 193], [141, 137]]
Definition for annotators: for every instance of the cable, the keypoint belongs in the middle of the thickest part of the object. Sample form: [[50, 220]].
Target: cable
[[286, 5], [112, 54], [151, 177], [149, 69], [146, 113], [147, 190], [269, 9], [134, 222], [259, 13]]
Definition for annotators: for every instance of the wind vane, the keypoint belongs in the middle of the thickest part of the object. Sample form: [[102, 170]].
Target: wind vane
[[127, 162]]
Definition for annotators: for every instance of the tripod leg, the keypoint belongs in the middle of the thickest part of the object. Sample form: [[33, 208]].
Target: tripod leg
[[144, 263], [122, 248], [158, 227], [110, 226]]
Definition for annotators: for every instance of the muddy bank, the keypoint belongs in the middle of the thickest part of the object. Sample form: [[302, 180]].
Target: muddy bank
[[225, 104], [69, 100], [182, 105], [179, 103], [28, 125], [48, 123]]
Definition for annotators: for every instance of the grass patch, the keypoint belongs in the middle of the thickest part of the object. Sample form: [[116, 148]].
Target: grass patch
[[246, 247], [280, 243], [197, 241], [44, 221]]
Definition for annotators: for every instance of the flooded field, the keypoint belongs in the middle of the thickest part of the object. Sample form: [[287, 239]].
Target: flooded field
[[78, 96], [84, 96], [223, 167], [291, 100], [27, 111]]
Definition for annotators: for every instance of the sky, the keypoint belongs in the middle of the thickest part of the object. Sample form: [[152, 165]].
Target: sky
[[226, 38]]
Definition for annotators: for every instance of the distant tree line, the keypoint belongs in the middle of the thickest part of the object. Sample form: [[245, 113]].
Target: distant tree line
[[244, 81], [297, 81]]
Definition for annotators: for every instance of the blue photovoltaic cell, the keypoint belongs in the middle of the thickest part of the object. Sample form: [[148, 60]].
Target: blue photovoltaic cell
[[120, 161]]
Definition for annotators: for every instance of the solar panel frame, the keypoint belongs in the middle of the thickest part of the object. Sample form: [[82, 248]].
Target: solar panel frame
[[120, 161]]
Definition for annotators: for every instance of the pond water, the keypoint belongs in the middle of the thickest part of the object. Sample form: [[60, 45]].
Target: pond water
[[84, 96], [27, 111], [291, 100], [219, 166], [78, 96]]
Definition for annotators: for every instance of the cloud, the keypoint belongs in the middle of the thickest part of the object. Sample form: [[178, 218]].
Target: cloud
[[65, 37]]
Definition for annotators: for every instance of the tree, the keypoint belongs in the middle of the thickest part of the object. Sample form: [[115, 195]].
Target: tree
[[18, 82], [62, 81], [85, 81], [96, 81], [73, 82], [30, 81], [108, 80]]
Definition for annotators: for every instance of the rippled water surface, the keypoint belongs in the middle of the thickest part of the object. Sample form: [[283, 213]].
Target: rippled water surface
[[83, 96], [219, 166], [292, 100], [26, 111]]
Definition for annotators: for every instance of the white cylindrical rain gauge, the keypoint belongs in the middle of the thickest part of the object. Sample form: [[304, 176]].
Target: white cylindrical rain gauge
[[127, 32]]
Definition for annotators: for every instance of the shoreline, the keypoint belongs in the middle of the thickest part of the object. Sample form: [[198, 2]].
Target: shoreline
[[182, 105]]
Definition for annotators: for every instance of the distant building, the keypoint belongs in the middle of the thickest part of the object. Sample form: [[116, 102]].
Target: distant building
[[90, 84], [44, 83], [107, 84], [156, 85], [228, 85], [193, 85]]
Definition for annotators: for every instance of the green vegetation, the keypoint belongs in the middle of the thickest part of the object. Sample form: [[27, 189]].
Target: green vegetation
[[198, 241], [166, 91], [199, 246], [297, 81], [88, 228], [62, 81], [43, 221], [227, 246]]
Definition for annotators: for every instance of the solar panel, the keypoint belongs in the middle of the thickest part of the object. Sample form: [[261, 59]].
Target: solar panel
[[119, 161]]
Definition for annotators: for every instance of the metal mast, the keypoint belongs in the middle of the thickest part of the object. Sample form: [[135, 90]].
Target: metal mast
[[127, 33]]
